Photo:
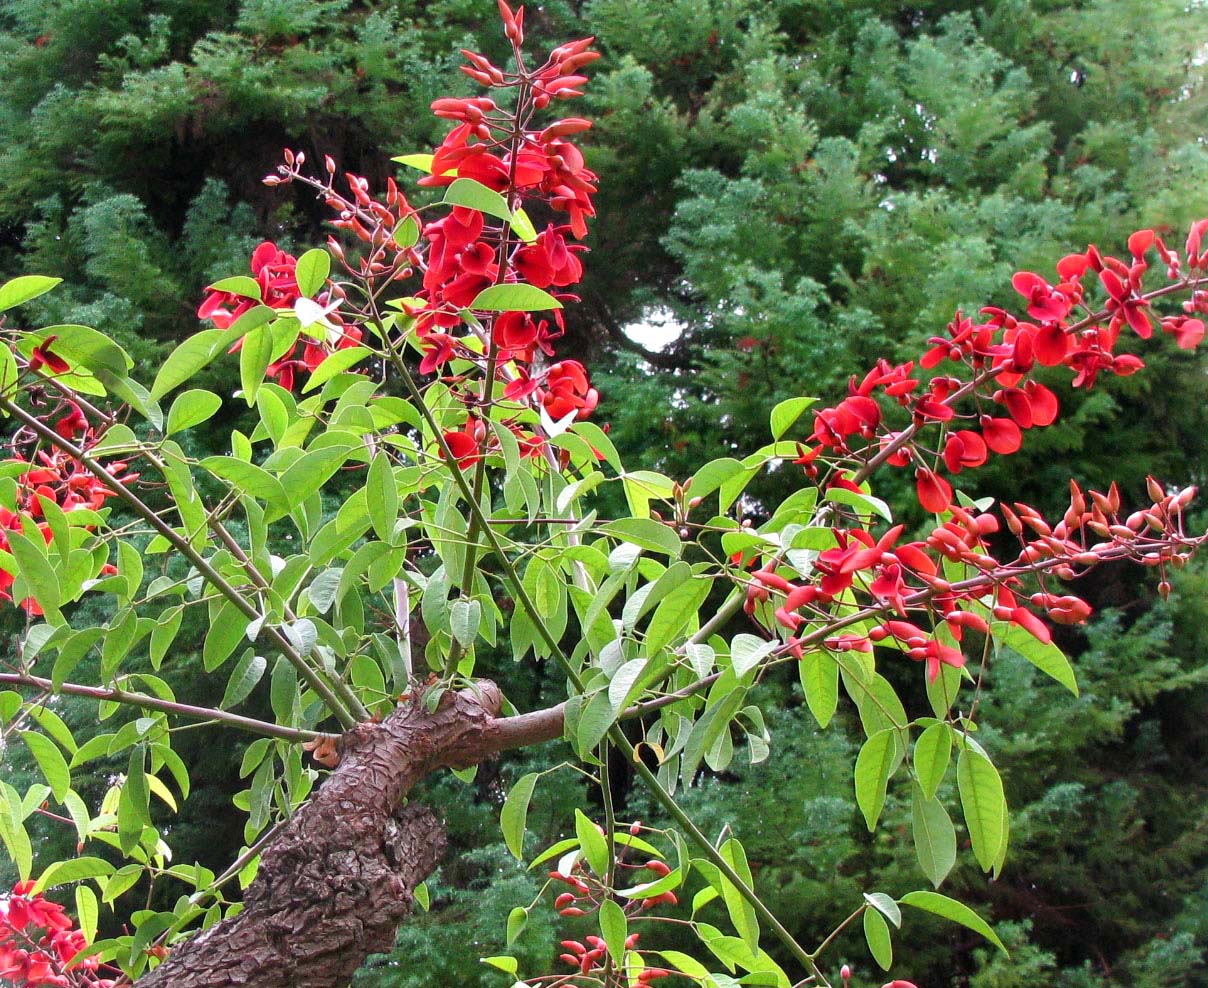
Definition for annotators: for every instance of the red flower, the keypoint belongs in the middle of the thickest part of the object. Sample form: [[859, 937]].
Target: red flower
[[549, 260], [934, 492], [1045, 303], [466, 444], [275, 273], [1187, 332], [43, 357], [1002, 435], [567, 390], [964, 449]]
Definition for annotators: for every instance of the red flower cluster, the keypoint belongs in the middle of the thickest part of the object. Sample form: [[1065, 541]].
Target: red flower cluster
[[1004, 350], [59, 479], [906, 579], [468, 250], [276, 273], [37, 943]]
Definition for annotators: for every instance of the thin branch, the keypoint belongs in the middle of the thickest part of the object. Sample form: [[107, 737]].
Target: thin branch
[[145, 702]]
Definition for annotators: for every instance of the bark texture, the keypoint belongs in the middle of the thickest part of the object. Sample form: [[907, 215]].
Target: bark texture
[[334, 886]]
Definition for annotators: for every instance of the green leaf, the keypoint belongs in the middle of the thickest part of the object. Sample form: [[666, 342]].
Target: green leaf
[[592, 843], [1046, 657], [742, 913], [672, 880], [514, 298], [597, 717], [335, 363], [647, 533], [8, 371], [885, 905], [73, 870], [381, 496], [121, 881], [957, 912], [53, 725], [464, 619], [614, 927], [514, 815], [19, 290], [239, 284], [934, 836], [517, 921], [876, 934], [523, 227], [747, 651], [51, 761], [311, 472], [164, 633], [422, 162], [675, 611], [39, 576], [874, 765], [191, 408], [200, 349], [133, 808], [786, 413], [248, 671], [87, 912], [283, 690], [474, 195], [406, 234], [225, 633], [941, 693], [707, 730], [688, 965], [254, 358], [313, 268], [820, 679], [247, 478], [932, 752], [623, 681], [508, 965], [864, 503], [83, 346], [983, 802]]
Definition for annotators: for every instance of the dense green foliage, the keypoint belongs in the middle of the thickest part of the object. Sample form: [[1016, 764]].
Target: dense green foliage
[[801, 187]]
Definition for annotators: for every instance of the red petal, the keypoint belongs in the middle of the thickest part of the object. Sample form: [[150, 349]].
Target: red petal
[[1072, 266], [1140, 242], [1019, 406], [1032, 624], [1052, 344], [1138, 320], [935, 493], [1002, 435], [1044, 404]]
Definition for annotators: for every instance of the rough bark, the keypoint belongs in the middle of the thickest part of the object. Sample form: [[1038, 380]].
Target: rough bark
[[333, 887]]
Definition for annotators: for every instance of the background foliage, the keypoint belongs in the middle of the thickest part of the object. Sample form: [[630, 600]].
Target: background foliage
[[797, 186]]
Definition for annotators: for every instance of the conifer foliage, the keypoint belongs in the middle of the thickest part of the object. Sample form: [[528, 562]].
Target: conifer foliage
[[408, 373]]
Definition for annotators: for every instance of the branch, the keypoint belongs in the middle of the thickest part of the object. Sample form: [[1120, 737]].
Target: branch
[[142, 700]]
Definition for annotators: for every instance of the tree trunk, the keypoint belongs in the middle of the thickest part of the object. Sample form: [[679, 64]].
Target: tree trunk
[[333, 887]]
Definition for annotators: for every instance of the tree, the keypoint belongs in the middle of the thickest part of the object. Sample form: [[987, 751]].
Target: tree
[[465, 481]]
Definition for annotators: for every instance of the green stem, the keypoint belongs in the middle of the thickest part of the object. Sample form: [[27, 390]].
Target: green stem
[[837, 930], [475, 507], [713, 854]]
